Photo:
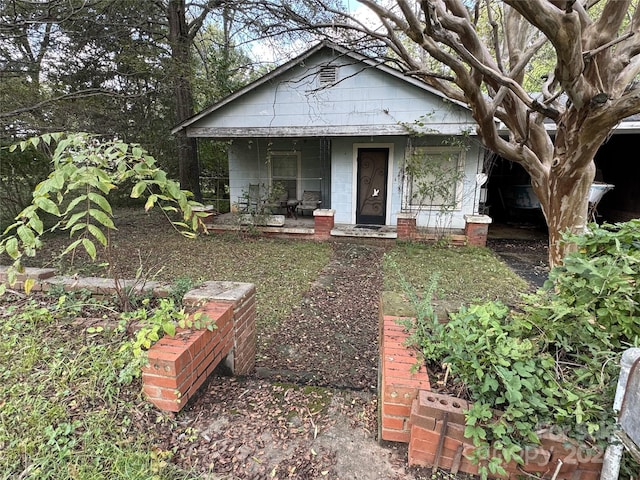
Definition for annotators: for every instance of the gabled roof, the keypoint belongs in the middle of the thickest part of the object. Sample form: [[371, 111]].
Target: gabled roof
[[300, 59]]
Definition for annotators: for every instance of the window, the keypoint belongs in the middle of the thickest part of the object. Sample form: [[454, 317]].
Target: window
[[285, 170], [433, 178]]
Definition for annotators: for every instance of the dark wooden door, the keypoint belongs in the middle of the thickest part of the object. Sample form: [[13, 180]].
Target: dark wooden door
[[372, 186]]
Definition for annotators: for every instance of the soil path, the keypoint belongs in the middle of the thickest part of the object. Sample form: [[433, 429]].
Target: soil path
[[310, 411]]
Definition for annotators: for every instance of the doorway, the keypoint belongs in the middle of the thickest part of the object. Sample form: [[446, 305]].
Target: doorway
[[371, 205]]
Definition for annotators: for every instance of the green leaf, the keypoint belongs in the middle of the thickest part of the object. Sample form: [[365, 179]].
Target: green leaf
[[46, 205], [26, 235], [55, 181], [101, 201], [97, 233], [102, 217], [11, 247], [90, 247], [138, 188], [29, 283], [169, 328], [36, 224], [72, 246], [74, 219], [150, 202]]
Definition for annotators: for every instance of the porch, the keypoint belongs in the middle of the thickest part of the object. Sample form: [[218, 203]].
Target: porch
[[304, 226], [321, 226]]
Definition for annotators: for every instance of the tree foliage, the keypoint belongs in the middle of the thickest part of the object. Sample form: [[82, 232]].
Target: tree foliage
[[119, 68], [85, 169]]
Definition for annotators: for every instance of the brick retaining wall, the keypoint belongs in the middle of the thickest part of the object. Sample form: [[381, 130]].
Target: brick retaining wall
[[400, 385]]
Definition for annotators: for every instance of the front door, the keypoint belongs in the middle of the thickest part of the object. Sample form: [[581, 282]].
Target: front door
[[372, 186]]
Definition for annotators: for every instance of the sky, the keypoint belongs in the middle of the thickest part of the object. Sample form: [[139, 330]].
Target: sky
[[274, 51]]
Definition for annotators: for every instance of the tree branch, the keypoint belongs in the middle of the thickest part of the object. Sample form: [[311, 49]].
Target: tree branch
[[90, 92]]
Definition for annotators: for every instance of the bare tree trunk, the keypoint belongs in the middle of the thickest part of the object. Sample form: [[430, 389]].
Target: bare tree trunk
[[180, 40], [564, 197]]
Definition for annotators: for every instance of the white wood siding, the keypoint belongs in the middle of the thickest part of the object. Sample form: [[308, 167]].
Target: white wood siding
[[364, 101]]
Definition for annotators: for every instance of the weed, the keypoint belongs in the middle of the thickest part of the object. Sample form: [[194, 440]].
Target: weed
[[180, 286]]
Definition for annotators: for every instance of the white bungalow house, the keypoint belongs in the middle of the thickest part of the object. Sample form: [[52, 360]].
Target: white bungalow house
[[379, 146]]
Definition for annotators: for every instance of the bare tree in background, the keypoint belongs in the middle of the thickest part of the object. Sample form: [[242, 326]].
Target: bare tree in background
[[483, 50]]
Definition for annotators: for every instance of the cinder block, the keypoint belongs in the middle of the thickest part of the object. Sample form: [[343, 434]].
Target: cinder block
[[431, 404]]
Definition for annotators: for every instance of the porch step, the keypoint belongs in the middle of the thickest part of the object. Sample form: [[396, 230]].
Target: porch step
[[365, 231]]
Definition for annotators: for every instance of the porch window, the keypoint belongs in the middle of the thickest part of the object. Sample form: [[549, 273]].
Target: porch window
[[433, 178], [285, 170]]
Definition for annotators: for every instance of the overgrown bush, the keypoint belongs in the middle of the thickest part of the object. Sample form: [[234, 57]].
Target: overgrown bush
[[554, 361], [85, 170]]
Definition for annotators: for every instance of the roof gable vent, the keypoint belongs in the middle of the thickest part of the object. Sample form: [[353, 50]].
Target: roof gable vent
[[328, 76]]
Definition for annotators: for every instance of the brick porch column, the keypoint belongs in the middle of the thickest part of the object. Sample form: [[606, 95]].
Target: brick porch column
[[476, 229], [323, 223], [406, 226]]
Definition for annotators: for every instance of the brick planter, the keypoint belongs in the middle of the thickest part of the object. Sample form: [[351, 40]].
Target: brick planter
[[178, 366], [433, 424]]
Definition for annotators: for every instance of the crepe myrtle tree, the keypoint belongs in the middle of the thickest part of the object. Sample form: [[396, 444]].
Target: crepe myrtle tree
[[483, 52]]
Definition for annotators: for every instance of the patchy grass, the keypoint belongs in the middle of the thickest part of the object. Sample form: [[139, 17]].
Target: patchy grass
[[146, 247], [66, 409], [466, 274]]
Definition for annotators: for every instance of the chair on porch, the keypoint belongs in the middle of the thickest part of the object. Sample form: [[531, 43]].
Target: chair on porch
[[311, 200], [250, 201], [278, 203]]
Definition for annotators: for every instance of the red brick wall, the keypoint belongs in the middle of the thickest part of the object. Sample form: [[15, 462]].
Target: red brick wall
[[399, 386], [179, 365], [244, 336]]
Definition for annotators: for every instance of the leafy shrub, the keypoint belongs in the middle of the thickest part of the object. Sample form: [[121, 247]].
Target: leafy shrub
[[553, 361], [85, 169]]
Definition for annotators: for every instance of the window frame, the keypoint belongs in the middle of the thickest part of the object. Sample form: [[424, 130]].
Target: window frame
[[408, 204], [298, 178]]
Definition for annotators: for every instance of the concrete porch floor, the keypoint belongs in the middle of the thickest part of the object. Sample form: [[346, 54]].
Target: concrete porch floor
[[304, 225]]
